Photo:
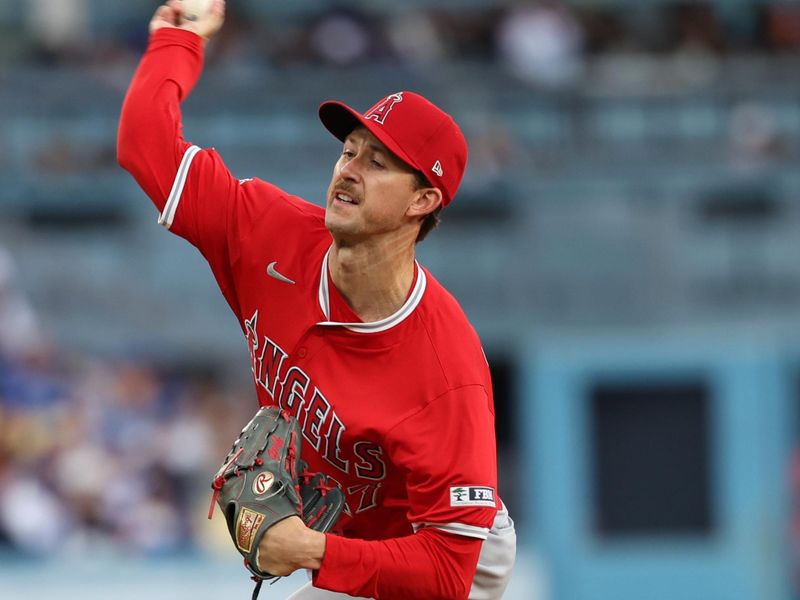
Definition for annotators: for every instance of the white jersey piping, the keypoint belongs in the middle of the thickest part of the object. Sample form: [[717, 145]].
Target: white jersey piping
[[457, 528], [171, 206], [375, 326]]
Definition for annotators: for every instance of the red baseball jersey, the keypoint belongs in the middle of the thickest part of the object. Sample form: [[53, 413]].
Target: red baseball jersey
[[399, 411]]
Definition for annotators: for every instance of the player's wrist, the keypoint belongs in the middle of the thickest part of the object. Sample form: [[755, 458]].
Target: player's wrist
[[313, 549], [181, 34]]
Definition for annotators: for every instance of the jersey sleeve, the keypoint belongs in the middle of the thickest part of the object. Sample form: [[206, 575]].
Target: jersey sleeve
[[448, 451], [195, 193], [425, 565], [174, 173], [150, 143]]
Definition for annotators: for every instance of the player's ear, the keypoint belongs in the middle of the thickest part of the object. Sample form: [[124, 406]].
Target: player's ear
[[424, 202]]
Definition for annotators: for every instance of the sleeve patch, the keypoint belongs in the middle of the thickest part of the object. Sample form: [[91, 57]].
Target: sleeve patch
[[472, 495]]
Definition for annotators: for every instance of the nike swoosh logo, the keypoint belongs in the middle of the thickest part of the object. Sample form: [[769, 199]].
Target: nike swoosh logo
[[273, 273]]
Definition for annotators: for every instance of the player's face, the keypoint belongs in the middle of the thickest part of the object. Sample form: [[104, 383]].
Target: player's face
[[370, 191]]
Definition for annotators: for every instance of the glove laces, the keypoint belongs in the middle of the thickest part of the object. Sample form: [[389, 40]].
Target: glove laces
[[219, 481]]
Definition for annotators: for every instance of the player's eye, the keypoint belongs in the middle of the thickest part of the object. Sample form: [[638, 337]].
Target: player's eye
[[377, 159]]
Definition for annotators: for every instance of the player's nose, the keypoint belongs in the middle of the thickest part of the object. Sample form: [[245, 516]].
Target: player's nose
[[351, 169]]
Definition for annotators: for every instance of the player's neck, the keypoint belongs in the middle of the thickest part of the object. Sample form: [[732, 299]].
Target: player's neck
[[374, 278]]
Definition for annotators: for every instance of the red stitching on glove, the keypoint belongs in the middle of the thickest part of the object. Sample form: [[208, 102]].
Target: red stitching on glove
[[290, 457], [317, 516], [324, 488]]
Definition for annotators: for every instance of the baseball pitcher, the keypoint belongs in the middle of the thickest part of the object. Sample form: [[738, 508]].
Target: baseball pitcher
[[374, 361]]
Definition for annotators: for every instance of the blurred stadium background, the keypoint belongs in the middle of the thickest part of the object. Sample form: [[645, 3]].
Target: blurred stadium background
[[626, 243]]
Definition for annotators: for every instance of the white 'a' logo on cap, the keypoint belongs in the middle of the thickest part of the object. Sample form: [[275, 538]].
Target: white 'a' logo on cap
[[437, 168], [381, 110]]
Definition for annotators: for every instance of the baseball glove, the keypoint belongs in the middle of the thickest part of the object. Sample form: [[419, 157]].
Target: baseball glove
[[263, 481]]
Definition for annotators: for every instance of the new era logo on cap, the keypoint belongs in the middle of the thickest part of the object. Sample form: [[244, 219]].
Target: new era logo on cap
[[420, 133]]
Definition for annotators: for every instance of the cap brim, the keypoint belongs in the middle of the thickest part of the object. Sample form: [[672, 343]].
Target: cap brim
[[341, 120]]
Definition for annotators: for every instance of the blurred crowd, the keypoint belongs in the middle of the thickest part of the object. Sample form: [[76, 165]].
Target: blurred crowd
[[100, 452], [544, 42]]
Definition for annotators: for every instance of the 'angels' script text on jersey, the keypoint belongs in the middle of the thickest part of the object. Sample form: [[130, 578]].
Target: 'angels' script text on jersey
[[292, 390]]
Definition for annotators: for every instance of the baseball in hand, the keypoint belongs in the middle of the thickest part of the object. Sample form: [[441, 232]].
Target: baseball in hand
[[195, 9]]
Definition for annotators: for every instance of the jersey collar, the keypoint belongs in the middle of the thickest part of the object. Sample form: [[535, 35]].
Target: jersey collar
[[408, 307]]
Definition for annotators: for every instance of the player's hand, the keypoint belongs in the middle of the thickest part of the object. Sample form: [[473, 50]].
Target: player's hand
[[290, 545], [170, 15]]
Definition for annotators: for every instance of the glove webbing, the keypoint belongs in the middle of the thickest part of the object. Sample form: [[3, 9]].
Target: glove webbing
[[323, 489]]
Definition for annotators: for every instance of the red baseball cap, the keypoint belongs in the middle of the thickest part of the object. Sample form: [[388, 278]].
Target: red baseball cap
[[420, 133]]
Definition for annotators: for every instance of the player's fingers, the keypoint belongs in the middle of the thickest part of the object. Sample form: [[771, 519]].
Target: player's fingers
[[218, 8], [162, 12], [162, 17], [176, 7], [170, 14], [218, 12], [210, 24]]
